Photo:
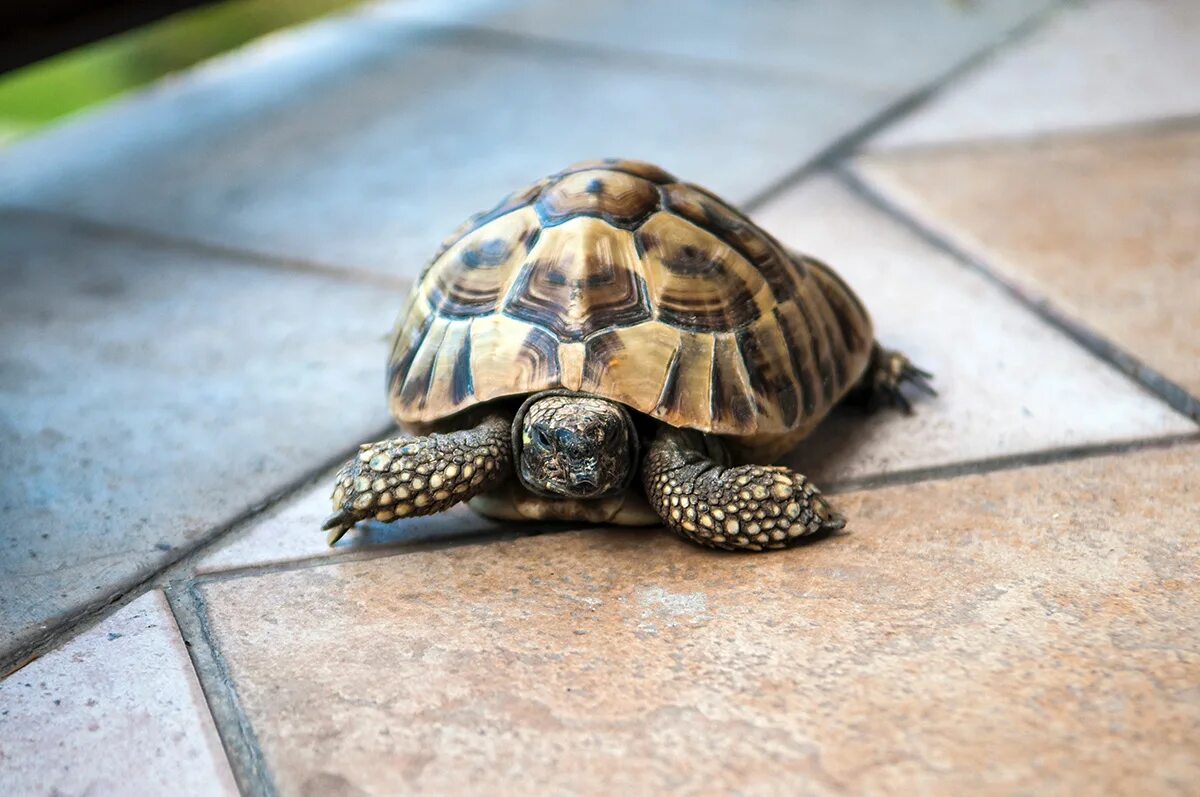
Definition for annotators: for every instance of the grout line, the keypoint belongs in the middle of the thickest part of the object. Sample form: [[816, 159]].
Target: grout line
[[846, 145], [519, 530], [233, 726], [468, 35], [247, 257], [90, 613], [933, 473], [1101, 348], [1018, 461], [1136, 128]]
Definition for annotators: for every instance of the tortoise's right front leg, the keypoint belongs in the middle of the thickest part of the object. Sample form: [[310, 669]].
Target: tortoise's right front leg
[[743, 508], [410, 476]]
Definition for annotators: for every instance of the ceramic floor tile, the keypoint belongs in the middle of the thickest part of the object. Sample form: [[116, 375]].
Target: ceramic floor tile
[[360, 144], [148, 395], [1008, 382], [1104, 227], [884, 46], [293, 532], [1098, 63], [1028, 631], [117, 710]]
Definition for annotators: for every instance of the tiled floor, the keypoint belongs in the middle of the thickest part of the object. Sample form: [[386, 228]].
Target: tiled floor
[[198, 284], [1107, 228], [981, 633], [116, 710]]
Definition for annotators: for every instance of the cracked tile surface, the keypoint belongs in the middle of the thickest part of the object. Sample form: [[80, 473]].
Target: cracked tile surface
[[1021, 631]]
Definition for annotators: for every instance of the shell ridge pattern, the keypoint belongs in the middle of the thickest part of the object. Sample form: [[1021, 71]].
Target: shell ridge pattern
[[834, 341], [636, 287]]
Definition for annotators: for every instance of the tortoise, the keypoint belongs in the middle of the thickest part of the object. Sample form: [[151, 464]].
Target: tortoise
[[610, 344]]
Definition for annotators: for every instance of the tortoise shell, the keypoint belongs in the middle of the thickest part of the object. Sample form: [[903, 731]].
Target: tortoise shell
[[614, 279]]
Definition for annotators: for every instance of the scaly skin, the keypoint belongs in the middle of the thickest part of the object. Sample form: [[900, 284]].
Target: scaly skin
[[411, 476], [741, 508]]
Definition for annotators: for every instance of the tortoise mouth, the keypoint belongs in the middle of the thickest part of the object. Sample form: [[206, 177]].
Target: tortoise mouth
[[584, 488], [577, 488]]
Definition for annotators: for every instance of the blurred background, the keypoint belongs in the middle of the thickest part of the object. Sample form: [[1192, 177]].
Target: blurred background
[[61, 57]]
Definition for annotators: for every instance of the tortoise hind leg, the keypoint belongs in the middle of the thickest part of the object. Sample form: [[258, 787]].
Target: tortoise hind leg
[[742, 508], [883, 381], [411, 476]]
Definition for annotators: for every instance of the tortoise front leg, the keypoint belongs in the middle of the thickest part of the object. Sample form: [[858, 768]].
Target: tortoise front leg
[[411, 476], [742, 508]]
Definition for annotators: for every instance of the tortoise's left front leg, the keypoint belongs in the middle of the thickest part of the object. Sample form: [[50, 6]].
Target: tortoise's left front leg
[[746, 507], [411, 476]]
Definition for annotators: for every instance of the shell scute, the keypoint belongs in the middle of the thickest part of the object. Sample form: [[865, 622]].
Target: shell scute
[[628, 363], [517, 199], [620, 199], [697, 282], [582, 277], [478, 268], [707, 211], [764, 354], [731, 399], [687, 386]]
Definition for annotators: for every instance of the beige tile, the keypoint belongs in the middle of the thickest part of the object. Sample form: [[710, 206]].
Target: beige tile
[[1008, 382], [1105, 62], [1106, 228], [1025, 631], [117, 710], [293, 532]]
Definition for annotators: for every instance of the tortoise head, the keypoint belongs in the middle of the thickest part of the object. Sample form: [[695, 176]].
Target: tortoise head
[[575, 446]]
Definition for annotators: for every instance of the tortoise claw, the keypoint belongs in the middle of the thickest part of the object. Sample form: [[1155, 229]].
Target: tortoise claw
[[891, 372], [339, 518], [918, 378], [913, 372], [337, 525]]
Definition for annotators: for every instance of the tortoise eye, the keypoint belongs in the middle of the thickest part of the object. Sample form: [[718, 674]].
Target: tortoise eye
[[541, 439]]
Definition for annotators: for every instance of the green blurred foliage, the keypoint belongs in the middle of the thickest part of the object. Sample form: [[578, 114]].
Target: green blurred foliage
[[43, 92]]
